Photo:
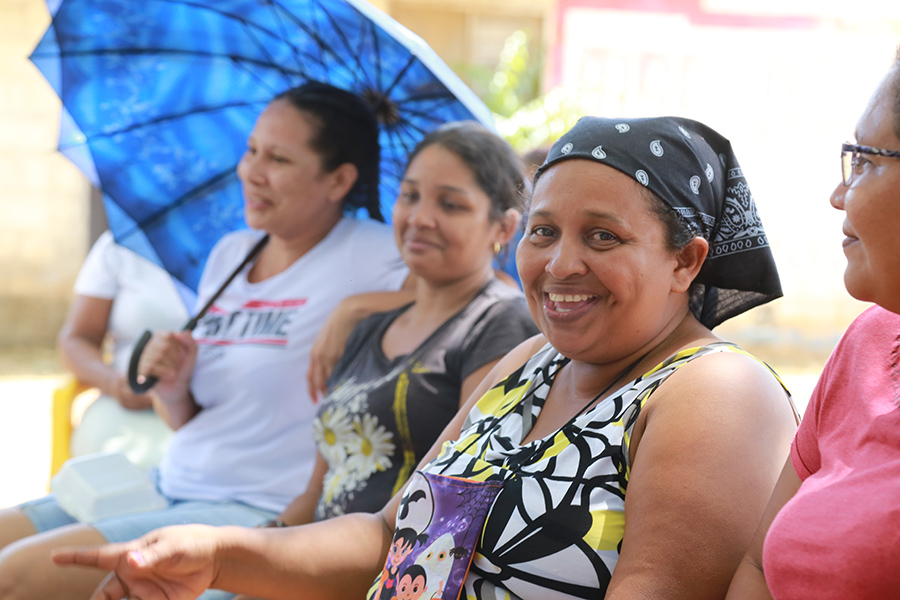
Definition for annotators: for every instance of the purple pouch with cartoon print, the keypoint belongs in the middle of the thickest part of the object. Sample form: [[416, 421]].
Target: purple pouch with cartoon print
[[438, 525]]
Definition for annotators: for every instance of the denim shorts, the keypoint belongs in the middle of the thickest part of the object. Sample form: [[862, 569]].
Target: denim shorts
[[45, 514]]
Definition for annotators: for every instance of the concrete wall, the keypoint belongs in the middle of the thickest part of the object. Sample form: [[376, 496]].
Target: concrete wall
[[43, 198]]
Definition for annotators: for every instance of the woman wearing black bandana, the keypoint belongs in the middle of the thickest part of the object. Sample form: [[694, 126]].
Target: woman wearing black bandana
[[636, 449]]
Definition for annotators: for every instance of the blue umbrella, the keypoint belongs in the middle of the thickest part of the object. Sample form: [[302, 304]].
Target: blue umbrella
[[159, 97]]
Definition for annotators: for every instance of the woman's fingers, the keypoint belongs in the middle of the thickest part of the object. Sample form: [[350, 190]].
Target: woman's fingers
[[111, 588], [160, 356], [168, 355], [315, 380], [128, 399], [323, 358], [102, 557]]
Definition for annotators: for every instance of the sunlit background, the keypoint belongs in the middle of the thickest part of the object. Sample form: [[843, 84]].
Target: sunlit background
[[784, 80]]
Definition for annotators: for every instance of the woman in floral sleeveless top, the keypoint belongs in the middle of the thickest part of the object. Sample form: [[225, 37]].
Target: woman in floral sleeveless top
[[636, 450]]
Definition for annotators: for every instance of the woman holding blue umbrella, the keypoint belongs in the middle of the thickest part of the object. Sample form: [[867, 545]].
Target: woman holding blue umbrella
[[234, 391]]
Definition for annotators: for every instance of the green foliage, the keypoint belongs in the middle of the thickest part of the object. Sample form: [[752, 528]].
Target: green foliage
[[525, 116]]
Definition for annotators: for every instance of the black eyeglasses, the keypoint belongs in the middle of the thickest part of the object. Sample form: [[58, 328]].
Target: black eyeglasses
[[850, 158]]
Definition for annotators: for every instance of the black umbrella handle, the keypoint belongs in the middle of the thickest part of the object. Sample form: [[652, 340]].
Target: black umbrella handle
[[149, 382], [144, 386]]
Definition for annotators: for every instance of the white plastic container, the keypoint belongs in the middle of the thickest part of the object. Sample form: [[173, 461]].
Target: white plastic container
[[97, 486]]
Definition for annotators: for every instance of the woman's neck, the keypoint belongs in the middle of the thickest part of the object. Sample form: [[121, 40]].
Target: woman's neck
[[434, 305], [438, 301], [283, 251], [586, 379]]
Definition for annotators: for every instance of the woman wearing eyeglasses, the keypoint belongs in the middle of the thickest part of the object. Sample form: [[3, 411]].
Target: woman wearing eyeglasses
[[831, 527]]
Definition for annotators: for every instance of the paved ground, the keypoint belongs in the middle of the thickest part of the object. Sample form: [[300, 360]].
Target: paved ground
[[27, 379]]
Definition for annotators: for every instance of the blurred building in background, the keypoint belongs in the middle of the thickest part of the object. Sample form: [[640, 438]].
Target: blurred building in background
[[785, 80]]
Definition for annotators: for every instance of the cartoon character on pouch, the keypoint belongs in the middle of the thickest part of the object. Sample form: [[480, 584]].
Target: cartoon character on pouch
[[403, 543], [437, 561], [412, 583]]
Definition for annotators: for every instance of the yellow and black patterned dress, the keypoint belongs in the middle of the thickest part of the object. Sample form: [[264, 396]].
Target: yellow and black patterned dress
[[556, 527]]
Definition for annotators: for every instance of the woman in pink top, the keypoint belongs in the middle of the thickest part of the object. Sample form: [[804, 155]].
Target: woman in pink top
[[832, 528]]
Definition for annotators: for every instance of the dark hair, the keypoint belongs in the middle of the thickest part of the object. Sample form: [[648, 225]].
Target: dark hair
[[497, 169], [415, 571], [679, 232], [346, 132]]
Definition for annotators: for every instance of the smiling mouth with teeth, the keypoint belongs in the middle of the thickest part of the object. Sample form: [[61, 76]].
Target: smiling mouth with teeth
[[568, 297]]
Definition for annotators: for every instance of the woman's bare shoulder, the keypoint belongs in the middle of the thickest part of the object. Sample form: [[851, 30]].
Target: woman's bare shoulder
[[515, 358], [736, 381]]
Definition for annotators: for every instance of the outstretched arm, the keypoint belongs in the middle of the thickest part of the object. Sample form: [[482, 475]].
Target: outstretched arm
[[338, 558], [334, 559]]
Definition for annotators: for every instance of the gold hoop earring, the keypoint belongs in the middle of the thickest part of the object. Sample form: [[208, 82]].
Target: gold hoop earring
[[496, 248]]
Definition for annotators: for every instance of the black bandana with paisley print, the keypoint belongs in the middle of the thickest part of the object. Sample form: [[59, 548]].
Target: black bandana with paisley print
[[692, 169]]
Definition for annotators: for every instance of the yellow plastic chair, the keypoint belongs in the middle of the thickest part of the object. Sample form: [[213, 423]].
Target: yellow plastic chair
[[64, 398]]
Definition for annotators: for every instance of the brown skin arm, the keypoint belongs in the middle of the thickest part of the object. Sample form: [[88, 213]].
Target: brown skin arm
[[170, 357], [707, 451], [302, 509], [80, 346], [749, 582], [338, 558], [328, 347]]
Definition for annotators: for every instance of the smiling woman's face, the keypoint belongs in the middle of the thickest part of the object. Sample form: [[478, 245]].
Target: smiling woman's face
[[286, 190], [442, 222], [595, 269], [871, 205]]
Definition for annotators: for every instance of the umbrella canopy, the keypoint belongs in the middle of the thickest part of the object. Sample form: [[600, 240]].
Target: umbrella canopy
[[159, 97]]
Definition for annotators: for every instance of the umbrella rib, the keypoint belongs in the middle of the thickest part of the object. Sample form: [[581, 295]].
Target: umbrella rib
[[276, 14], [375, 42], [233, 17], [258, 43], [422, 131], [262, 81], [163, 51], [184, 198], [407, 137], [172, 117], [341, 36], [395, 135], [447, 97], [326, 48], [319, 42], [406, 67]]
